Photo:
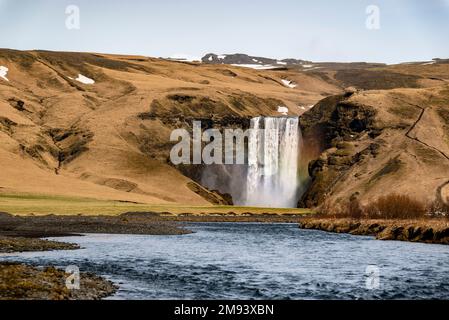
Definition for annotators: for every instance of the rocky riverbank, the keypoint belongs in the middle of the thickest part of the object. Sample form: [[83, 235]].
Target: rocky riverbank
[[22, 234], [427, 231], [19, 281], [63, 225], [24, 282], [22, 244]]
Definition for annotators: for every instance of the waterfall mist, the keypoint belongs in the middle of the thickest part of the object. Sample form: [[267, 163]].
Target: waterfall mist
[[270, 176]]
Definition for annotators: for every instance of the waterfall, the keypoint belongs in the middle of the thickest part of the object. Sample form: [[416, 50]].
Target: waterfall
[[273, 150]]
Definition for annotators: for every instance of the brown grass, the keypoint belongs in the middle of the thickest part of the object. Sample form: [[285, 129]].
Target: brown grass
[[355, 210], [393, 206], [438, 209]]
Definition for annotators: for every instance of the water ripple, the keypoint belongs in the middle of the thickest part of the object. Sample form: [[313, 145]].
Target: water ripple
[[256, 261]]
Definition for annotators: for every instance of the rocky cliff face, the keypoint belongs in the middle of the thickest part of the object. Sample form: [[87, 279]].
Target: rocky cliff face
[[372, 143]]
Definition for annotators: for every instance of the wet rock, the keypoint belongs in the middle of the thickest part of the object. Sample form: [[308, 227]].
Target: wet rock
[[429, 231], [427, 235], [22, 282], [21, 244]]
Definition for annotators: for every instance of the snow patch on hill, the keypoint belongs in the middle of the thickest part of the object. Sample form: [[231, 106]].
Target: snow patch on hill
[[283, 110], [184, 57], [4, 72], [289, 83], [84, 79], [256, 66]]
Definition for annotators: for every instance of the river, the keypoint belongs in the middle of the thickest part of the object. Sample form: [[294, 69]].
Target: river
[[257, 261]]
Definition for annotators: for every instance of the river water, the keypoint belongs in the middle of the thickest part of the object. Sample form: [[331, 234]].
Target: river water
[[257, 261]]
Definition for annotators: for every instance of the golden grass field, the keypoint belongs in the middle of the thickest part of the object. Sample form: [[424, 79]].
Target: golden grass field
[[27, 204]]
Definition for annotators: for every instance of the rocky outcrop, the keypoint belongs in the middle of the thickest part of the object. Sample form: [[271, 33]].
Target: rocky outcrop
[[71, 143], [213, 196], [373, 143], [428, 231], [329, 129], [22, 282], [21, 244]]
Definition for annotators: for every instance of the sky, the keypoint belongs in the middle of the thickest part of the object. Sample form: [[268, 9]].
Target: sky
[[318, 30]]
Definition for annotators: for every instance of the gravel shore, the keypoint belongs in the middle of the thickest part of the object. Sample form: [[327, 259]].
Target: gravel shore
[[59, 225]]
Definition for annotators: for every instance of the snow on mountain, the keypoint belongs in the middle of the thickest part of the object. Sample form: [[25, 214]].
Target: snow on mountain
[[289, 83], [283, 110], [84, 79], [185, 57], [255, 66], [4, 72]]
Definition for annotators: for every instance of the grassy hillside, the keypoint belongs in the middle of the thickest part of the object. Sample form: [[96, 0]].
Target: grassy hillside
[[109, 140]]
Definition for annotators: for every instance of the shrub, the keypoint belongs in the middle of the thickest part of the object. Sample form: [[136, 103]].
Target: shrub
[[404, 207], [438, 209], [330, 210], [355, 210], [395, 206]]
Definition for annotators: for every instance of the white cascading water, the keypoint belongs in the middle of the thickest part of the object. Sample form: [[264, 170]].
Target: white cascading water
[[273, 150]]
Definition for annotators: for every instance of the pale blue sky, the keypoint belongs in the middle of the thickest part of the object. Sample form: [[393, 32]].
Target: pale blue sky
[[318, 30]]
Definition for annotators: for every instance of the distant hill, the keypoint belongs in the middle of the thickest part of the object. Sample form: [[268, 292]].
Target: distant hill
[[244, 59], [270, 63]]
